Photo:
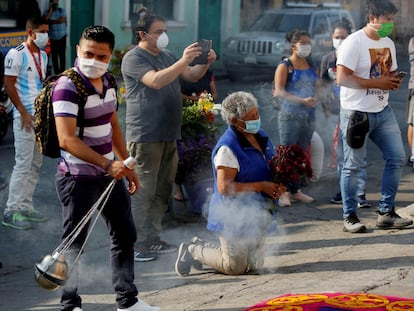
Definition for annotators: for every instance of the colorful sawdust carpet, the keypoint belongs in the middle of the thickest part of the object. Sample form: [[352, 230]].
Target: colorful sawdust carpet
[[335, 301]]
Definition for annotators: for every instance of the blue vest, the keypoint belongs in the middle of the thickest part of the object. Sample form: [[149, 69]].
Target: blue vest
[[254, 166]]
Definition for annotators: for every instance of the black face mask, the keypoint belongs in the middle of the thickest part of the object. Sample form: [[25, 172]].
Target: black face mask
[[55, 6]]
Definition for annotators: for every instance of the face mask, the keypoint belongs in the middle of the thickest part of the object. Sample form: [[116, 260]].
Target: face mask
[[91, 68], [336, 43], [252, 126], [162, 41], [304, 50], [385, 30], [41, 39]]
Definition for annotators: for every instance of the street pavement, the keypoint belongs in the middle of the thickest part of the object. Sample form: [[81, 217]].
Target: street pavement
[[306, 252]]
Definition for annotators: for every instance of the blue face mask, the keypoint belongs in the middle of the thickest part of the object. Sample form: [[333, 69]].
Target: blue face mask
[[252, 126]]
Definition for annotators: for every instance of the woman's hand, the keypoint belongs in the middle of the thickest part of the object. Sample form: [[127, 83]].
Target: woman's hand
[[273, 190], [310, 102]]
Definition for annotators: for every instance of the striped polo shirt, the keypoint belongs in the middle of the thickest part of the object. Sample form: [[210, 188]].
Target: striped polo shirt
[[97, 123], [19, 63]]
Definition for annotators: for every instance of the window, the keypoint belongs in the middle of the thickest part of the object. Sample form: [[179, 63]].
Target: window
[[8, 14], [279, 22], [320, 25], [165, 8]]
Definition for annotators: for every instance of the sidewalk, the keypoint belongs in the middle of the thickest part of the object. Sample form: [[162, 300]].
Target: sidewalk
[[308, 253]]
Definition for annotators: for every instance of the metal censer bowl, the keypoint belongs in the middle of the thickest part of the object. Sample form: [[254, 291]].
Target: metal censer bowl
[[51, 272]]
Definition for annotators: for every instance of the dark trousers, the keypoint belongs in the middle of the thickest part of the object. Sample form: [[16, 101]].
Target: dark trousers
[[58, 51], [77, 197]]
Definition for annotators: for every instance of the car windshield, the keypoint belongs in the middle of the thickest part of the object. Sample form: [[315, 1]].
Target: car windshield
[[279, 22]]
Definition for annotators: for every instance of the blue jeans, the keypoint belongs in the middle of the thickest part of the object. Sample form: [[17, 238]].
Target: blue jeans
[[296, 128], [362, 176], [385, 133]]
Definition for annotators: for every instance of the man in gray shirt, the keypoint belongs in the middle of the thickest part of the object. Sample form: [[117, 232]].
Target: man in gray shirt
[[153, 120]]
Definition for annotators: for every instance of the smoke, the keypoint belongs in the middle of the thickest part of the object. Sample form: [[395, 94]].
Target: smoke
[[242, 216]]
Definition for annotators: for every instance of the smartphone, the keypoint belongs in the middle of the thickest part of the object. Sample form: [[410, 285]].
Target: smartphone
[[402, 74], [205, 48]]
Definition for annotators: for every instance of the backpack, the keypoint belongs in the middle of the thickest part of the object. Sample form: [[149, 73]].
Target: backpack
[[44, 119], [277, 101]]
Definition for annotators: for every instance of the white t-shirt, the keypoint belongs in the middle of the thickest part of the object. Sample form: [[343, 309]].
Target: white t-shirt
[[368, 59], [225, 157]]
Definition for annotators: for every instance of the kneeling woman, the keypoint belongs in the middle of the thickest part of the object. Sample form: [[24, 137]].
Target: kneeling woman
[[243, 200]]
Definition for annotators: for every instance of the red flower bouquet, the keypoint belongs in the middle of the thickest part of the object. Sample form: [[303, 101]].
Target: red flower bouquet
[[290, 165]]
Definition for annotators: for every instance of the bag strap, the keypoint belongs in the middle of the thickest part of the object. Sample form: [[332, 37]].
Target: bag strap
[[77, 79], [288, 63]]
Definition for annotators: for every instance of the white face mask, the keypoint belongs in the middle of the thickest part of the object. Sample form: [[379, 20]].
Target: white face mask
[[41, 39], [304, 50], [336, 43], [92, 68], [162, 41]]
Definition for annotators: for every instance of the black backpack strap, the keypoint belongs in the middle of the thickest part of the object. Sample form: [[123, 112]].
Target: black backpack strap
[[77, 79], [288, 63]]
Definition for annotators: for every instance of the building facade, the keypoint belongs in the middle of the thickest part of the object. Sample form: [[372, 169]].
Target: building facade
[[189, 20]]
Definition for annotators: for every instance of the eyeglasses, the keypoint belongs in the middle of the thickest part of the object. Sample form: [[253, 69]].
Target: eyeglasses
[[304, 42], [158, 32]]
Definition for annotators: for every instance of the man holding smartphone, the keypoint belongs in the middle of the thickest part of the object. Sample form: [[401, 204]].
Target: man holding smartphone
[[153, 125], [367, 72], [56, 17]]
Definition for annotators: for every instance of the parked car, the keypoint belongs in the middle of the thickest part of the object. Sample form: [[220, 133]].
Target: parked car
[[256, 52]]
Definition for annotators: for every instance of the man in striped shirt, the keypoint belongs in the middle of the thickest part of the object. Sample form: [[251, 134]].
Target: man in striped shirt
[[88, 165]]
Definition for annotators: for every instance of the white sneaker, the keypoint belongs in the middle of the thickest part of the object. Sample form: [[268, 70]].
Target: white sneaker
[[353, 225], [284, 199], [300, 196], [140, 306], [77, 309]]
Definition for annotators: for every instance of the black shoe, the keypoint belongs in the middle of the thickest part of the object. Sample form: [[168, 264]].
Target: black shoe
[[363, 202], [337, 199], [161, 247], [33, 215], [15, 220], [184, 260], [143, 254]]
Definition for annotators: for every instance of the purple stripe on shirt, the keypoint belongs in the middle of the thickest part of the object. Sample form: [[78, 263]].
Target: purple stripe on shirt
[[100, 120], [96, 141], [99, 115], [65, 90], [64, 115], [103, 149]]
